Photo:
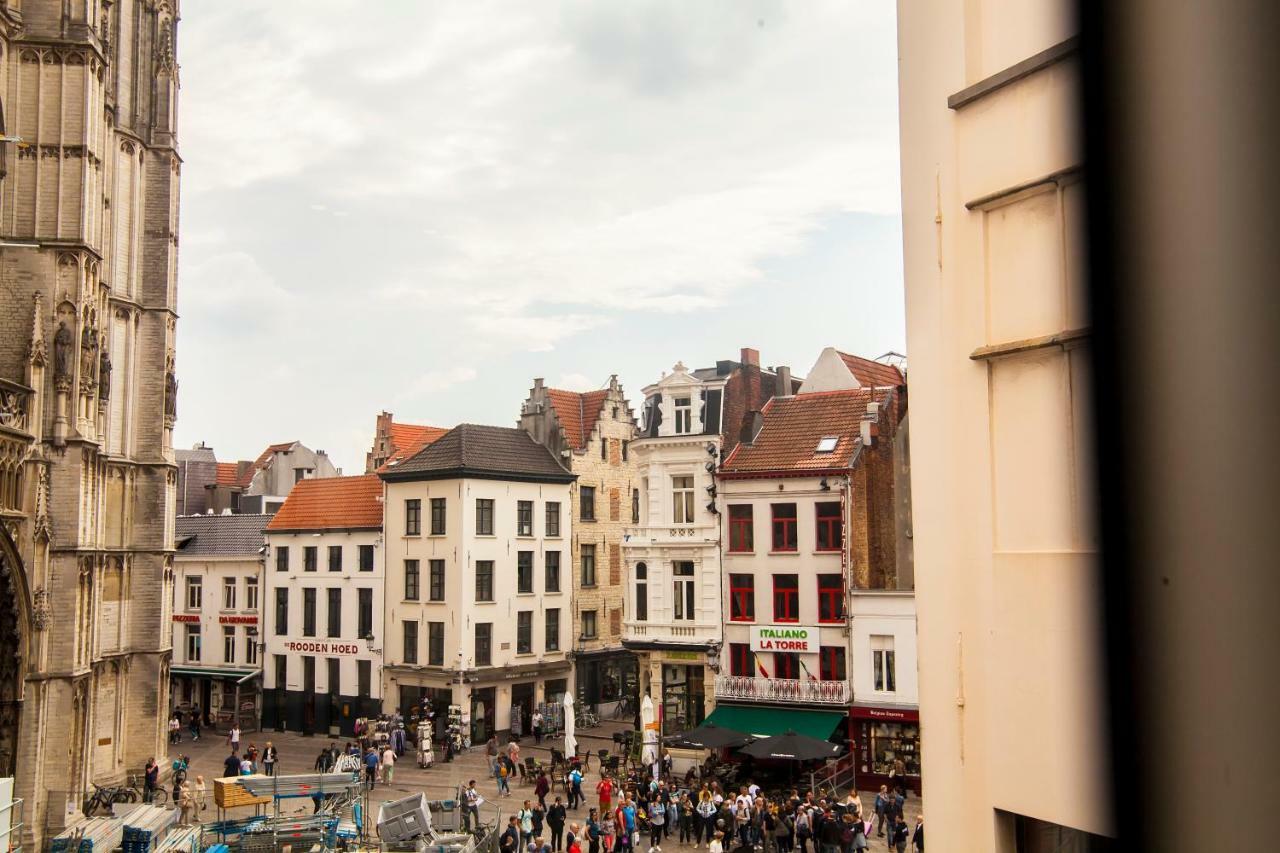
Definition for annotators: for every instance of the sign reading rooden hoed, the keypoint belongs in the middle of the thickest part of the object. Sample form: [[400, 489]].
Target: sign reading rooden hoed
[[323, 648], [784, 638]]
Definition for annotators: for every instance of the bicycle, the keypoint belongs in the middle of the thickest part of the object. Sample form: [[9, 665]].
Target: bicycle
[[624, 709], [104, 797], [138, 792]]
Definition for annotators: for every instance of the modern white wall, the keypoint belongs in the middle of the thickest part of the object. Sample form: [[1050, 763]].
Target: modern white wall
[[885, 613]]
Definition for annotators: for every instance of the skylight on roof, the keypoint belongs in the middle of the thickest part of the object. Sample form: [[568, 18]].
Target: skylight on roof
[[827, 444]]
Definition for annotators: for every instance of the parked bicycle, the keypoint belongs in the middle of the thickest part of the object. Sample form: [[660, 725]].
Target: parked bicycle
[[586, 718], [625, 709], [105, 796]]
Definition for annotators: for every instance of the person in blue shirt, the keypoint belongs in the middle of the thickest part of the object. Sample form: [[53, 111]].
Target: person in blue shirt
[[371, 768]]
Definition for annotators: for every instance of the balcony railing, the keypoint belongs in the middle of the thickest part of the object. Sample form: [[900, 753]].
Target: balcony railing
[[808, 691]]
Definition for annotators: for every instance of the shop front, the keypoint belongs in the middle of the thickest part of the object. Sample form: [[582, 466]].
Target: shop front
[[224, 696], [887, 740], [605, 679]]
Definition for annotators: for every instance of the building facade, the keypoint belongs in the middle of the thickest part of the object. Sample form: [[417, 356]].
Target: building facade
[[1011, 681], [394, 442], [323, 607], [89, 174], [591, 434], [197, 470], [672, 552], [478, 589], [217, 619]]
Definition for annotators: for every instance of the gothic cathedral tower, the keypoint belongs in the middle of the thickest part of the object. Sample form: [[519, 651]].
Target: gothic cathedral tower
[[89, 174]]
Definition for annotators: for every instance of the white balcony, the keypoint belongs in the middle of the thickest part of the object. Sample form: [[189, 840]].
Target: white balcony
[[806, 691], [693, 633]]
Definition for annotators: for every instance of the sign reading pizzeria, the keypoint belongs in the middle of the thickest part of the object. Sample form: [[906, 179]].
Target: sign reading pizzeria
[[189, 618], [784, 638]]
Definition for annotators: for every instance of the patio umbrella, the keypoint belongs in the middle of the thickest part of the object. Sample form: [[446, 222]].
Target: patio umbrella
[[711, 736], [570, 741], [791, 746], [649, 733]]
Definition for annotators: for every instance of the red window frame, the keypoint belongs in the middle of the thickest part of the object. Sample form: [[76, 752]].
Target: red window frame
[[742, 598], [828, 658], [740, 659], [830, 598], [786, 599], [830, 530], [786, 665], [784, 528], [741, 529]]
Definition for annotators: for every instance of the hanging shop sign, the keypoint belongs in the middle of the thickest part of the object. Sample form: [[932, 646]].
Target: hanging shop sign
[[784, 638]]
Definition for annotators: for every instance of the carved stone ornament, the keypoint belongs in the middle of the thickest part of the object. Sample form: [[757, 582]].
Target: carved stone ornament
[[36, 351], [40, 610], [104, 376], [13, 408], [88, 359], [63, 342], [170, 393]]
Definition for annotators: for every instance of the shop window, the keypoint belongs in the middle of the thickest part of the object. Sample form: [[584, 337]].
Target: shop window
[[413, 517], [786, 665], [552, 580], [412, 580], [786, 598], [484, 580], [484, 516], [524, 572], [524, 632], [335, 558], [682, 500], [553, 518], [682, 572], [882, 663], [741, 533], [438, 516], [642, 592], [742, 598], [831, 663], [282, 558], [784, 527], [740, 659], [435, 580], [830, 528], [895, 749], [524, 518], [830, 598], [282, 671]]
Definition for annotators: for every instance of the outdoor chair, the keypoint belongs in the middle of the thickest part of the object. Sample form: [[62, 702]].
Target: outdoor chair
[[558, 762], [530, 770]]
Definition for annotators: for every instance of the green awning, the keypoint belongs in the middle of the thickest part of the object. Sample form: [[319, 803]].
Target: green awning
[[764, 722]]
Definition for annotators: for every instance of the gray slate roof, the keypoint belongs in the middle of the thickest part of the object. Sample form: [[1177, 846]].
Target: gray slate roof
[[483, 452], [220, 535]]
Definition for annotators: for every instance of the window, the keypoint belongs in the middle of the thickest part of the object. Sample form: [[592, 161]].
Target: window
[[251, 593], [309, 611], [589, 630], [195, 592], [282, 559], [484, 643], [682, 500], [831, 663], [410, 641], [524, 572], [282, 672], [335, 558], [334, 668], [683, 572], [830, 598], [740, 659], [588, 565], [366, 558], [552, 559], [587, 501], [524, 518], [604, 449], [553, 629], [882, 668], [830, 530], [413, 517], [193, 643], [784, 527], [308, 674], [365, 613], [625, 444], [228, 643], [786, 598], [299, 474], [742, 538], [411, 580], [684, 415], [438, 516], [309, 558], [524, 632], [435, 582], [742, 598], [251, 646], [827, 444], [484, 580], [364, 672], [484, 516], [435, 644], [334, 613], [786, 665], [282, 611], [642, 592], [635, 506]]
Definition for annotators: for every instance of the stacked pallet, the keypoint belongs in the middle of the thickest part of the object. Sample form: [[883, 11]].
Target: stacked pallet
[[181, 839], [95, 835], [300, 785], [229, 793], [145, 828]]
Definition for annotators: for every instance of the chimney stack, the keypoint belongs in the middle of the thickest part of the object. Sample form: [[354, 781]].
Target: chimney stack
[[751, 427], [784, 381], [750, 356]]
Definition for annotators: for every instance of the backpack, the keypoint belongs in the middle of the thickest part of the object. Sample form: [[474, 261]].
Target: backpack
[[502, 770], [802, 826]]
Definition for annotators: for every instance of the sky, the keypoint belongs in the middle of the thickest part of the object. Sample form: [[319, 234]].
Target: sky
[[420, 207]]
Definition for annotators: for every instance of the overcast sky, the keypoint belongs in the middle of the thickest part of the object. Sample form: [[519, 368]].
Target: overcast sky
[[420, 207]]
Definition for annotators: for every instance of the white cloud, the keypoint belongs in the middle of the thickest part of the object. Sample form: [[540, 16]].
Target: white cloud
[[433, 381], [577, 382]]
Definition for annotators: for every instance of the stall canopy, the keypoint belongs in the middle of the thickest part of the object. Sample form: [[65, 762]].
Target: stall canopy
[[766, 722], [240, 676]]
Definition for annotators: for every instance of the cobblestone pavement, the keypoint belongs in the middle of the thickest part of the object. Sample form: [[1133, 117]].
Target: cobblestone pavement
[[298, 755]]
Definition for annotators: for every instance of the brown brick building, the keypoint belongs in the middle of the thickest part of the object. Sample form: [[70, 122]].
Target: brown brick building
[[88, 254]]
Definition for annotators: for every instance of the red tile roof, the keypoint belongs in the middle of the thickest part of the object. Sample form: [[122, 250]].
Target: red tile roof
[[407, 439], [261, 462], [872, 373], [227, 473], [332, 503], [578, 413], [793, 426]]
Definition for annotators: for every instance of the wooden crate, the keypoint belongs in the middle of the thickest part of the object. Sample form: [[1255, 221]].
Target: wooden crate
[[229, 793]]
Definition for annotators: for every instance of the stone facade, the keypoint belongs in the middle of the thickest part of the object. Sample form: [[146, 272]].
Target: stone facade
[[88, 222]]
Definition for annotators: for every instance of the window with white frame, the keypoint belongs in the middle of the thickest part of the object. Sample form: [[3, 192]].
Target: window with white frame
[[684, 603], [228, 643], [251, 593], [195, 592], [682, 499], [684, 415], [882, 664], [228, 593], [193, 644], [251, 646]]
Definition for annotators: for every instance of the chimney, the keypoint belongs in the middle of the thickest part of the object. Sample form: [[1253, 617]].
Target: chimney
[[724, 367], [750, 356], [784, 381], [864, 427], [537, 383], [751, 427]]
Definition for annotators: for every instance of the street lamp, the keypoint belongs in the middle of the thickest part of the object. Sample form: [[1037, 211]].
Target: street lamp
[[368, 641]]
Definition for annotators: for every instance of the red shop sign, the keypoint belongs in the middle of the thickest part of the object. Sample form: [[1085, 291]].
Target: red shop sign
[[186, 617], [905, 715], [238, 620]]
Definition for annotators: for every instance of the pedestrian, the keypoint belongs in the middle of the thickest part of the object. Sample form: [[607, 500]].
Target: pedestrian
[[513, 755], [899, 835], [509, 842], [388, 764], [831, 834], [150, 779], [717, 843], [541, 787], [231, 765], [233, 738], [324, 761], [537, 726], [555, 822], [471, 800], [371, 767], [917, 839], [198, 795], [657, 822], [491, 753], [504, 778], [539, 818], [246, 766], [194, 724], [576, 797], [605, 791], [882, 804], [525, 816], [269, 758], [174, 726], [608, 832], [705, 825]]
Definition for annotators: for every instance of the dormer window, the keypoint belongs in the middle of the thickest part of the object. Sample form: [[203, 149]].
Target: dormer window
[[827, 444], [684, 415]]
